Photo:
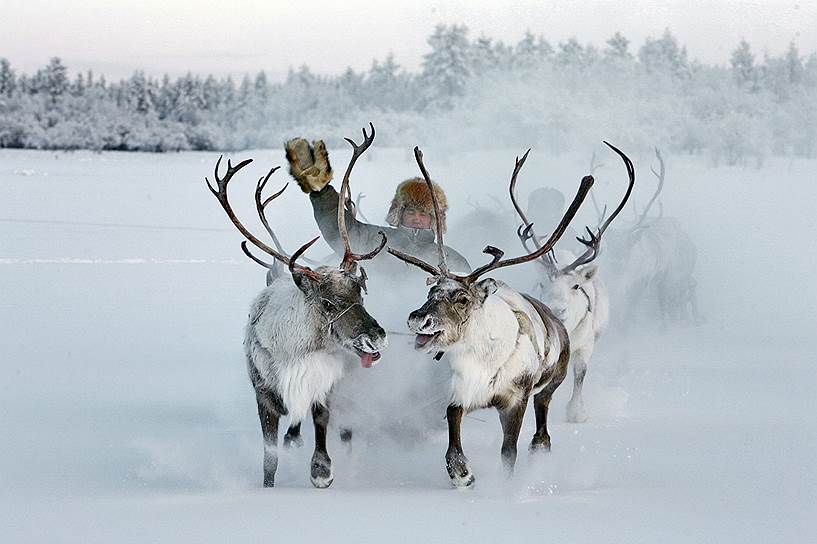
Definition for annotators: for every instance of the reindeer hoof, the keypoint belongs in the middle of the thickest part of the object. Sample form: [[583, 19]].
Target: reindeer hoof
[[459, 472], [462, 482], [321, 473], [576, 413], [322, 483], [540, 444], [293, 441]]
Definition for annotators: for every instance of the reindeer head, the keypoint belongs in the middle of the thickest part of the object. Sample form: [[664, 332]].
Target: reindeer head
[[337, 297], [439, 322], [569, 294], [334, 294], [568, 290], [453, 299]]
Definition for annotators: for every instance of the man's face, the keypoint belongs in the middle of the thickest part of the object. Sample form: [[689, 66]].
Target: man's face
[[415, 219]]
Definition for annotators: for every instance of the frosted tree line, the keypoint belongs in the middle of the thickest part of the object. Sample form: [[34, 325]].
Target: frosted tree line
[[469, 92]]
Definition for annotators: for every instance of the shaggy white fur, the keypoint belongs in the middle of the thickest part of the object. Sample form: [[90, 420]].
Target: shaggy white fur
[[492, 353], [579, 299]]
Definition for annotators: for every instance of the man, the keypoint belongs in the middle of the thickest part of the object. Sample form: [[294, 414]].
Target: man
[[411, 229], [411, 215]]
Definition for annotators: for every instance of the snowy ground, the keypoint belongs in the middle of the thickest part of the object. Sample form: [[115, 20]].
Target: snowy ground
[[127, 415]]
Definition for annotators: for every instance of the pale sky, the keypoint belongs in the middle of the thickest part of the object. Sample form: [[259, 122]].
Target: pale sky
[[157, 36]]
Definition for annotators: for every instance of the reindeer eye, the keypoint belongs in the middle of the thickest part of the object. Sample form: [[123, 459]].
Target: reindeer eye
[[327, 304], [461, 300], [575, 287]]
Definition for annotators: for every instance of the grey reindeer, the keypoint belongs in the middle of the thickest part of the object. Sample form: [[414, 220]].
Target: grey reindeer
[[304, 330], [652, 265]]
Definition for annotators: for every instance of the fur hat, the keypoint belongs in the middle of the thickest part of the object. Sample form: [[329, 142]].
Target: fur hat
[[413, 193]]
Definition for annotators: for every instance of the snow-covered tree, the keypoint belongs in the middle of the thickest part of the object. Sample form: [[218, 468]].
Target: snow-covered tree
[[446, 68], [531, 51], [664, 55], [744, 70], [618, 48], [53, 80], [8, 83]]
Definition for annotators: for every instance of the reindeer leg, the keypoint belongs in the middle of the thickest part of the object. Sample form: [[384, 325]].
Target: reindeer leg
[[321, 468], [697, 319], [269, 409], [455, 460], [511, 420], [293, 436], [575, 406], [541, 438], [541, 402]]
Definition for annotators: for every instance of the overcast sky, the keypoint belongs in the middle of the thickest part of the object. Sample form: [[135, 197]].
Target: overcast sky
[[174, 36]]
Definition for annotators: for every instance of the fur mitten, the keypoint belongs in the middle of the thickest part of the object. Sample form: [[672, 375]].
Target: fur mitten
[[309, 165]]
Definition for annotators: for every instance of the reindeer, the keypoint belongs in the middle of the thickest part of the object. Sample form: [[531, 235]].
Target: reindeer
[[656, 258], [502, 346], [575, 292], [303, 329]]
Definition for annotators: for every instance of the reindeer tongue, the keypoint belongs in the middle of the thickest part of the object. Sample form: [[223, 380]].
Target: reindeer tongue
[[366, 359]]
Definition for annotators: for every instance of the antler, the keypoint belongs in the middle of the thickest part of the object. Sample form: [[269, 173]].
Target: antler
[[660, 175], [438, 216], [221, 196], [350, 258], [497, 254], [593, 242], [525, 231], [593, 167], [261, 206], [358, 209]]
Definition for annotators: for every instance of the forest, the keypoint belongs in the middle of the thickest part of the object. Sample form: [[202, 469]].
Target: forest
[[470, 93]]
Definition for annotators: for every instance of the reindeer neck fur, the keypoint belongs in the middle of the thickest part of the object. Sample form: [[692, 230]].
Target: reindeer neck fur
[[495, 357], [287, 342], [286, 323], [587, 310]]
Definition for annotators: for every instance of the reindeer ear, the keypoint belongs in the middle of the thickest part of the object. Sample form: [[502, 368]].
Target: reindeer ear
[[486, 288], [362, 277], [589, 272], [304, 282]]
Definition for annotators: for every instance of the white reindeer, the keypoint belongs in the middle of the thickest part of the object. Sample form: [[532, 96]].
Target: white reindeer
[[574, 292], [502, 346], [303, 330]]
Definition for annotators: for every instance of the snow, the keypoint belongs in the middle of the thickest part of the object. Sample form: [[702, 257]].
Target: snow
[[127, 415]]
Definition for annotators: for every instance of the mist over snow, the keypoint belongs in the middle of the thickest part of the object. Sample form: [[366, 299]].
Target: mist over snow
[[127, 413], [129, 416]]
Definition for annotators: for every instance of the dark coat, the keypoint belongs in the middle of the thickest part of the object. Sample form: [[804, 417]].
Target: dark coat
[[363, 238]]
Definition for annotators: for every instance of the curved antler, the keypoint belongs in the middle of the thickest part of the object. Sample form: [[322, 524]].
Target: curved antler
[[593, 167], [496, 261], [294, 267], [525, 231], [594, 240], [358, 209], [584, 188], [221, 196], [438, 218], [349, 258], [261, 206], [660, 175]]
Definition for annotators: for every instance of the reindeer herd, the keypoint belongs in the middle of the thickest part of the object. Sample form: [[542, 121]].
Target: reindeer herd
[[309, 327]]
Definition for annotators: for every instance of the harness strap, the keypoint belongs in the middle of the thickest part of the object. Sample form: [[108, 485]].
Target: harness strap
[[331, 321], [589, 304]]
